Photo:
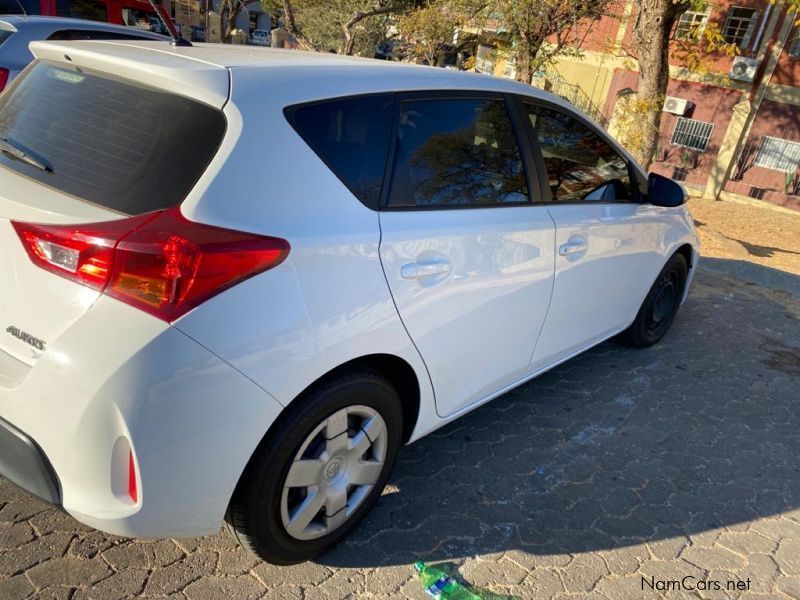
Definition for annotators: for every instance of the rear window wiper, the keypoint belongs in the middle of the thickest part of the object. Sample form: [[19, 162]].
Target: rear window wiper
[[18, 152]]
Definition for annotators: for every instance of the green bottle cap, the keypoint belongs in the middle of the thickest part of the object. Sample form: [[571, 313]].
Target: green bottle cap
[[419, 565]]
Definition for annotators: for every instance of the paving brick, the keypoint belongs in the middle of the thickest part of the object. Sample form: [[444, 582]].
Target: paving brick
[[144, 555], [788, 557], [127, 583], [72, 572], [13, 535], [32, 553], [175, 577], [583, 573], [709, 559], [17, 588], [214, 587], [746, 543]]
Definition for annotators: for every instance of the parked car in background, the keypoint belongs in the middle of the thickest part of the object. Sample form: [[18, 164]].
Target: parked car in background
[[181, 344], [198, 34], [260, 37], [17, 32], [134, 13]]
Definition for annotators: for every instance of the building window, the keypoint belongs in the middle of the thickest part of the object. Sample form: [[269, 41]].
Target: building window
[[691, 25], [778, 154], [739, 26], [794, 45], [692, 134]]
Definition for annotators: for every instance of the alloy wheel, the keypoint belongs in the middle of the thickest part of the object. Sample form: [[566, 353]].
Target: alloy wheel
[[333, 472]]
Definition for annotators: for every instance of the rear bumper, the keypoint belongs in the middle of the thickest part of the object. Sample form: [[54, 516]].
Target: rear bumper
[[24, 463], [116, 383]]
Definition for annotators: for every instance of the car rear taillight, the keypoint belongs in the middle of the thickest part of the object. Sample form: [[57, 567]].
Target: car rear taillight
[[3, 78], [161, 262]]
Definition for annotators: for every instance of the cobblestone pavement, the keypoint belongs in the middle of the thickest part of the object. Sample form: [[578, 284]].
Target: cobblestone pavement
[[617, 467]]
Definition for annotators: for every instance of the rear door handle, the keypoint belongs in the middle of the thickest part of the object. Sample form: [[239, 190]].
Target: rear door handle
[[572, 247], [424, 269]]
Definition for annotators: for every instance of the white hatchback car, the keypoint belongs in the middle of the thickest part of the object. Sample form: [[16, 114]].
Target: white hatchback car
[[199, 326]]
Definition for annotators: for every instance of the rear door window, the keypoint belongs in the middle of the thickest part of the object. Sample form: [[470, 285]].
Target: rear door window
[[4, 35], [124, 146], [351, 136], [457, 152]]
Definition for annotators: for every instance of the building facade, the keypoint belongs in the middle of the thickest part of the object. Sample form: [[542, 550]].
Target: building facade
[[731, 126]]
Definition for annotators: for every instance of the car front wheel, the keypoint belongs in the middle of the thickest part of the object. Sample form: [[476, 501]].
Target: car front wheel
[[660, 306], [320, 470]]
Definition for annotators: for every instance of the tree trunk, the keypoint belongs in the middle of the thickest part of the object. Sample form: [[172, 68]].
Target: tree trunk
[[651, 36], [288, 17], [349, 34], [525, 56]]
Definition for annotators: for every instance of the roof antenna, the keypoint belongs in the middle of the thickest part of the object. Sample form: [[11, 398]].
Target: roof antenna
[[22, 8], [170, 27]]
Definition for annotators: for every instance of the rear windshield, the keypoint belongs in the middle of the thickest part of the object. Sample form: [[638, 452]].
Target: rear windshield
[[126, 147], [4, 35]]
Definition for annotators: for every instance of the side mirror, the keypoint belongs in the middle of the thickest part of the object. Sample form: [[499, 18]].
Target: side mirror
[[662, 191]]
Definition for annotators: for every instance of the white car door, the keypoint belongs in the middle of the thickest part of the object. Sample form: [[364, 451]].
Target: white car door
[[606, 238], [469, 259]]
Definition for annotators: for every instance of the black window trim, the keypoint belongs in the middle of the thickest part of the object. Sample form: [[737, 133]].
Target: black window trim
[[450, 94], [533, 142], [289, 113]]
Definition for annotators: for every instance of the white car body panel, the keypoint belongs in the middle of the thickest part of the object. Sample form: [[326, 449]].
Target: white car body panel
[[494, 262], [86, 392], [195, 398], [598, 290], [57, 303]]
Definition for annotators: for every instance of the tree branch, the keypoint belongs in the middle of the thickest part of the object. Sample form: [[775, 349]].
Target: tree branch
[[349, 37]]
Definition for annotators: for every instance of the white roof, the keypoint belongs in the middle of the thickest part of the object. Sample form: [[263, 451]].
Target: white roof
[[202, 71]]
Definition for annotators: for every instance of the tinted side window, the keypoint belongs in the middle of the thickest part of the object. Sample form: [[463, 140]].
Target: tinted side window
[[351, 136], [456, 152], [580, 165]]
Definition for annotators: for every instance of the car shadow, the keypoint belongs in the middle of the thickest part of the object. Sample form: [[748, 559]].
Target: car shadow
[[614, 448]]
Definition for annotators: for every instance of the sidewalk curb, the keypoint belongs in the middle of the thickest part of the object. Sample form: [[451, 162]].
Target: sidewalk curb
[[753, 273]]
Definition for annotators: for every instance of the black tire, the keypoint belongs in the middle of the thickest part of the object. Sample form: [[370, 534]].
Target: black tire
[[254, 513], [660, 306]]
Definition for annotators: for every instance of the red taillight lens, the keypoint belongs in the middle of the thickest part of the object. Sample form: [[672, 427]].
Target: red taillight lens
[[161, 263], [3, 78]]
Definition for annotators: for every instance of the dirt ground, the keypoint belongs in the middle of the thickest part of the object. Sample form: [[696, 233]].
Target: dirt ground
[[758, 234]]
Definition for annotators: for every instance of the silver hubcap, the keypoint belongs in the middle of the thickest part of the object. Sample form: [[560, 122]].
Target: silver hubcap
[[333, 472]]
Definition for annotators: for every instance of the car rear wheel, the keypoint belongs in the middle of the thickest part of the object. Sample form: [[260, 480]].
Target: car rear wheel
[[320, 470], [660, 306]]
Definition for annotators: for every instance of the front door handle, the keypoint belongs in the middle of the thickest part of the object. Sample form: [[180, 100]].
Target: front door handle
[[424, 269], [573, 247]]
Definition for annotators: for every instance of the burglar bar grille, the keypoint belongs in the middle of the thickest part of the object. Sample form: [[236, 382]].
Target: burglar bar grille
[[692, 134], [778, 154]]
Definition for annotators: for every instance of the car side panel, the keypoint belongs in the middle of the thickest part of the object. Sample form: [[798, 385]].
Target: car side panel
[[329, 301]]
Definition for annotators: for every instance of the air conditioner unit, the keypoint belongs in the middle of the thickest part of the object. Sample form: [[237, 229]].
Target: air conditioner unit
[[743, 68], [676, 106]]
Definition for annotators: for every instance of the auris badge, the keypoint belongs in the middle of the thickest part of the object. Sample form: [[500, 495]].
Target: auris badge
[[26, 337]]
